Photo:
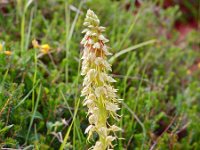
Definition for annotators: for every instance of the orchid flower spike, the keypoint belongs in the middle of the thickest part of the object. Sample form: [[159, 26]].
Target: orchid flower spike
[[100, 96]]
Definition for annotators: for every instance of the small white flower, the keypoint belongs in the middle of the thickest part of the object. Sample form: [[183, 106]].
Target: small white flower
[[98, 146], [109, 139], [101, 61], [83, 41], [105, 49], [94, 34], [93, 110], [100, 91], [102, 77], [88, 33], [89, 128], [88, 102], [112, 107], [102, 29], [86, 23], [107, 65], [96, 45], [115, 128], [90, 76], [92, 119], [101, 37], [90, 41], [110, 79], [92, 96], [85, 91], [103, 131], [84, 31], [90, 26]]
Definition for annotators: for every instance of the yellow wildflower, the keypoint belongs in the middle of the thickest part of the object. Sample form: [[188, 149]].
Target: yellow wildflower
[[189, 72], [1, 47], [198, 65], [8, 53], [45, 48], [35, 44]]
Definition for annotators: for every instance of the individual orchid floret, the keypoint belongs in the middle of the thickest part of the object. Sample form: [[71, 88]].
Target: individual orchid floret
[[100, 95]]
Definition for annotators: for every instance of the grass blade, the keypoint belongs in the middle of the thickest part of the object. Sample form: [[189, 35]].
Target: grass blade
[[111, 60], [33, 116]]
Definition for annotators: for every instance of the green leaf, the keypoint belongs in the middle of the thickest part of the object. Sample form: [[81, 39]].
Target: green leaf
[[6, 129]]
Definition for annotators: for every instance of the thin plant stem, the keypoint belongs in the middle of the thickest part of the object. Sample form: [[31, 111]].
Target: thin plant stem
[[33, 115], [67, 28], [22, 32], [34, 80], [124, 94], [69, 129]]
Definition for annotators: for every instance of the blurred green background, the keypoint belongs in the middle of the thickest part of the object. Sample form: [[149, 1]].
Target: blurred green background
[[158, 73]]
